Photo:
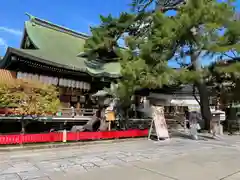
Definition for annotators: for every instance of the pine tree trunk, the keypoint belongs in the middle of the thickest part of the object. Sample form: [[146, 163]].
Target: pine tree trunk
[[203, 92], [204, 103]]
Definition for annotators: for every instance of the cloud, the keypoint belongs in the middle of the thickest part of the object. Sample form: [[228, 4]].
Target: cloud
[[15, 32], [3, 43]]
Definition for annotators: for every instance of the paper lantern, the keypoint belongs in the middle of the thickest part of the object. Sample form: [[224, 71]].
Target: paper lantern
[[60, 82], [19, 75], [35, 77], [50, 80], [73, 83], [81, 85], [65, 82], [55, 81], [24, 75], [82, 99], [69, 83], [85, 86], [30, 76], [41, 78], [45, 79], [77, 84]]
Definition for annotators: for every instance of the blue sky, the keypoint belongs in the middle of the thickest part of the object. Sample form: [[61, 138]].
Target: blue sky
[[75, 14]]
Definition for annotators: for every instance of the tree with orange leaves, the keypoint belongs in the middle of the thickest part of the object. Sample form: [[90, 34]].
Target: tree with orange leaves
[[28, 98]]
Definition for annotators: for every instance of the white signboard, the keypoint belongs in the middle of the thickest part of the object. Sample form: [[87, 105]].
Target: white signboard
[[159, 122]]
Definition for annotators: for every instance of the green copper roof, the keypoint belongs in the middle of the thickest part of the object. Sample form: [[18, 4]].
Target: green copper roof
[[111, 69], [59, 46]]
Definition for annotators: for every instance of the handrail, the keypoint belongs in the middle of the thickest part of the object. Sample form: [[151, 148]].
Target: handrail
[[72, 112]]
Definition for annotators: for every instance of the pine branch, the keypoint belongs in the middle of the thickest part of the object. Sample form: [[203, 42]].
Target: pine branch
[[225, 54], [234, 53], [167, 5], [146, 6]]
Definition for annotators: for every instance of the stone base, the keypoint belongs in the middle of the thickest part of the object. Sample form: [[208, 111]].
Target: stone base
[[217, 129]]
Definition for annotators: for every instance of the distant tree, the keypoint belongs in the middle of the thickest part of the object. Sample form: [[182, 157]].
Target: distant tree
[[224, 80]]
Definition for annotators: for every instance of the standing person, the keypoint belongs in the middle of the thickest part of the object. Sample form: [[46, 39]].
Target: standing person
[[73, 112], [186, 122], [194, 118]]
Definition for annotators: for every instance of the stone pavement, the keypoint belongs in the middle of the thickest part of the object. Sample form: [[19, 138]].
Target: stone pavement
[[177, 159]]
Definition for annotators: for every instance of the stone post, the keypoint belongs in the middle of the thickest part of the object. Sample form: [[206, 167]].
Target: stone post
[[64, 136]]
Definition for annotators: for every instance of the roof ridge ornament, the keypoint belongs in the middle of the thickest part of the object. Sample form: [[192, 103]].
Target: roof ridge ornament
[[31, 17]]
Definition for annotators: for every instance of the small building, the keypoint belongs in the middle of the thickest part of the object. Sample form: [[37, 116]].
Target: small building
[[179, 96]]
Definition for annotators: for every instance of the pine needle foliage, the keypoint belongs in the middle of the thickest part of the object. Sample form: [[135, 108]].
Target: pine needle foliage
[[153, 37]]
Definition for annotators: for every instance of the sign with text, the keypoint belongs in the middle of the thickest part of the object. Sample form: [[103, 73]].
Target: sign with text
[[159, 123]]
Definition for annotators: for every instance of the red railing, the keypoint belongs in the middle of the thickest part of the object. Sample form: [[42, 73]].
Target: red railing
[[69, 136]]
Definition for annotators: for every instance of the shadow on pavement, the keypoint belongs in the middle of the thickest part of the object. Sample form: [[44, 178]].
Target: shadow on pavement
[[186, 135]]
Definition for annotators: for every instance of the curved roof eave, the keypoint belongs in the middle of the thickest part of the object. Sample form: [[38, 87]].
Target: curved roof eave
[[18, 52]]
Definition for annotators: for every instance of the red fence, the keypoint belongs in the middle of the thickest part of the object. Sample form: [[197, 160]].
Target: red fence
[[69, 136]]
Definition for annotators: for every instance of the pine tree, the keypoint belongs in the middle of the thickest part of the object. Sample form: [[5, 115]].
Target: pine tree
[[223, 81], [153, 37]]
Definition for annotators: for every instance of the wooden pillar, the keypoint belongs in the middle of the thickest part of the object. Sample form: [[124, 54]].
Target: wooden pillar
[[78, 109]]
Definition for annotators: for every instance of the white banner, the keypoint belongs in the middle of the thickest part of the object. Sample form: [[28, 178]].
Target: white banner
[[55, 81]]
